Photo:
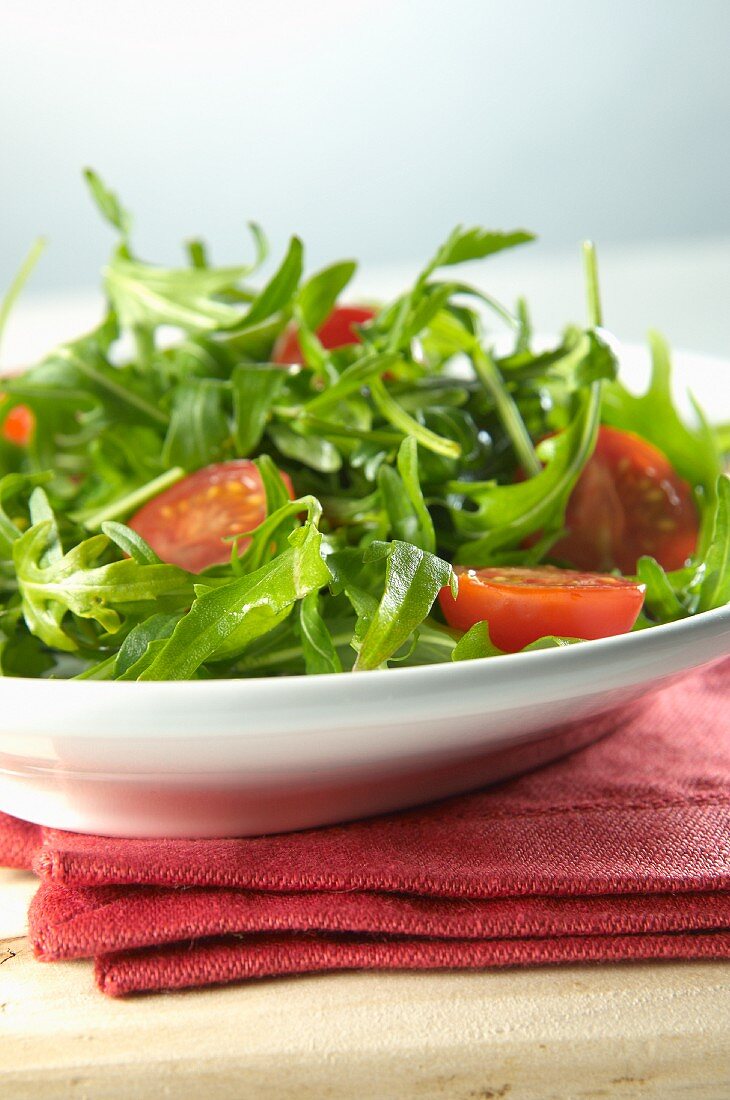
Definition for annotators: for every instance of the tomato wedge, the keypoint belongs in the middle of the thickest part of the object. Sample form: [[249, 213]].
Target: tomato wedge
[[19, 425], [522, 605], [627, 502], [336, 332], [187, 523]]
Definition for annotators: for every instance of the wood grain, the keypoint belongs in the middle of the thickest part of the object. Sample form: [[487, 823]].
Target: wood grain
[[568, 1033]]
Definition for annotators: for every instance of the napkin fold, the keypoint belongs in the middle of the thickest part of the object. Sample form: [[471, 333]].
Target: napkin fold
[[621, 851]]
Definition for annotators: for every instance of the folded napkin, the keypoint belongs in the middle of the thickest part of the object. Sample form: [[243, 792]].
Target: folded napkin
[[621, 851]]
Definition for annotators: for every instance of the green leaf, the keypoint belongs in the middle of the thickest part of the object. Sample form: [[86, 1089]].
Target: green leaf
[[702, 585], [95, 518], [506, 514], [476, 643], [11, 486], [661, 600], [276, 489], [310, 450], [715, 570], [474, 244], [692, 451], [108, 203], [278, 293], [399, 418], [136, 645], [267, 537], [14, 290], [413, 580], [320, 655], [77, 583], [255, 389], [130, 543], [361, 373], [403, 499], [145, 297], [318, 295], [225, 620], [198, 425]]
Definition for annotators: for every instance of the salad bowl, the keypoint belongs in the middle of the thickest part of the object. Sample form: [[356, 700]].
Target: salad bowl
[[219, 557], [239, 758], [245, 757]]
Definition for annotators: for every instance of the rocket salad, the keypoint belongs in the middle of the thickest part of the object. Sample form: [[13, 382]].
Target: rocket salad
[[234, 476]]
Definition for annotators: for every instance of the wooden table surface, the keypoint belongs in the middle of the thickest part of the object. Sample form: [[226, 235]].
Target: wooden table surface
[[558, 1033]]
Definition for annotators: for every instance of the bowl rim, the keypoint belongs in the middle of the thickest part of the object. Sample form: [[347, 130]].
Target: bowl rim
[[712, 623]]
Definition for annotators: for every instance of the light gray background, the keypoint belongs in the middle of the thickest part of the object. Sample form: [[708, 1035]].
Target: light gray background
[[369, 127]]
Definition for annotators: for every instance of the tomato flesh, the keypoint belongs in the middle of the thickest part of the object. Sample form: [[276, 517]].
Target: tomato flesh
[[628, 501], [187, 523], [522, 605], [18, 426], [336, 332]]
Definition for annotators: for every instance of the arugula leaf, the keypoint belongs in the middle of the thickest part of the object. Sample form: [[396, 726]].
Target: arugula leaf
[[692, 451], [13, 292], [11, 486], [266, 538], [278, 292], [714, 571], [108, 204], [130, 543], [399, 418], [224, 621], [506, 514], [50, 587], [474, 244], [320, 655], [353, 378], [311, 451], [136, 645], [403, 499], [412, 434], [705, 583], [476, 643], [146, 297], [318, 294], [413, 580], [255, 389], [198, 425]]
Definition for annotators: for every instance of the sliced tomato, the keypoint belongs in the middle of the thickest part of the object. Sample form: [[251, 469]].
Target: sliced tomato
[[627, 502], [336, 332], [19, 425], [522, 605], [186, 524]]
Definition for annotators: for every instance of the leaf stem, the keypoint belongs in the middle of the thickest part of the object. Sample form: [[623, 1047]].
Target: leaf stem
[[590, 265], [117, 391], [491, 378], [21, 278], [126, 504]]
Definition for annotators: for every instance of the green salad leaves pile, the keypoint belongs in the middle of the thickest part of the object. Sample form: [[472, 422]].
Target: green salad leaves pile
[[403, 451]]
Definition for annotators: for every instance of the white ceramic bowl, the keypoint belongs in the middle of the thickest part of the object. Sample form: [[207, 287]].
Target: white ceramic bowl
[[227, 758]]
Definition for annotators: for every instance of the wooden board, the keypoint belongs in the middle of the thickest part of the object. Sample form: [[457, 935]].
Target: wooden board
[[561, 1033]]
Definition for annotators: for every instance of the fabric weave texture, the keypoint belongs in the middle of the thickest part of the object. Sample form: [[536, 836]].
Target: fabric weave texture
[[620, 851]]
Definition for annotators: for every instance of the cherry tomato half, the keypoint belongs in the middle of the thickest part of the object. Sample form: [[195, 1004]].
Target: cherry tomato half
[[18, 426], [336, 332], [522, 605], [627, 502], [187, 523]]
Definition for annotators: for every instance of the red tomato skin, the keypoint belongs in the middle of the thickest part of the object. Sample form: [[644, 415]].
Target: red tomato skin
[[187, 523], [531, 604], [19, 425], [628, 502], [336, 332]]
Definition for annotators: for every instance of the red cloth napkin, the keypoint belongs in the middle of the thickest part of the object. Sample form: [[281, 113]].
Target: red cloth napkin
[[621, 851]]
